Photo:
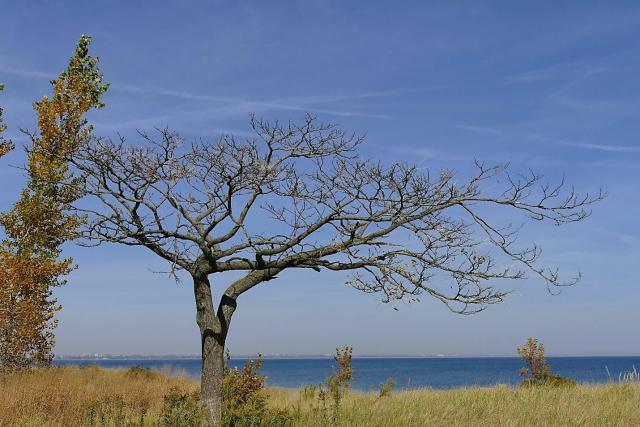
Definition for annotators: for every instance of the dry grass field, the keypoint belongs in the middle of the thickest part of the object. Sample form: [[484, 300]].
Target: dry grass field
[[72, 396], [604, 405], [90, 396]]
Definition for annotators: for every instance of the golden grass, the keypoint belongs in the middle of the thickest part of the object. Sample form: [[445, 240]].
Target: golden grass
[[597, 405], [63, 397], [66, 396]]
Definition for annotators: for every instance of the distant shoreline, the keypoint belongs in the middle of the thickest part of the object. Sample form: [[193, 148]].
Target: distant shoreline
[[293, 357], [408, 372]]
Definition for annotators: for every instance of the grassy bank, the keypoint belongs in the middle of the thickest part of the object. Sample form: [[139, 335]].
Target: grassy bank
[[606, 405], [70, 396], [75, 397]]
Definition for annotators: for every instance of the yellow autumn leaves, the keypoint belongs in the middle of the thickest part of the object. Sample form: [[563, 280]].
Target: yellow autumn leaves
[[40, 221]]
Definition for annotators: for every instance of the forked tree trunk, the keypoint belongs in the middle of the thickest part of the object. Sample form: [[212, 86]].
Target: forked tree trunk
[[212, 335]]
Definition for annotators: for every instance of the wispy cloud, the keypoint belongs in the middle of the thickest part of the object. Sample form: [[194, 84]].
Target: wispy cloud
[[26, 73], [307, 100], [237, 104], [233, 106], [562, 71], [219, 112], [607, 148], [551, 140], [421, 154], [544, 73], [365, 95], [295, 104], [331, 112], [482, 129], [161, 121], [127, 88]]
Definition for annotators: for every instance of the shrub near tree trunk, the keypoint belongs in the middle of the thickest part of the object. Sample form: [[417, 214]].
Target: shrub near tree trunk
[[246, 401]]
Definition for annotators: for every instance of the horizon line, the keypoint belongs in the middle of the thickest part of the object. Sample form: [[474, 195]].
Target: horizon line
[[99, 356]]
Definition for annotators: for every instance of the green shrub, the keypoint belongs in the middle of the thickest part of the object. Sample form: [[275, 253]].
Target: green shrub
[[245, 400], [181, 409], [550, 381], [106, 412], [309, 392], [337, 385], [141, 372], [387, 387]]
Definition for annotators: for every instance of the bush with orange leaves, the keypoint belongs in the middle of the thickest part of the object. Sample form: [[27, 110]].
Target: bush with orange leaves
[[532, 353], [536, 370], [27, 317]]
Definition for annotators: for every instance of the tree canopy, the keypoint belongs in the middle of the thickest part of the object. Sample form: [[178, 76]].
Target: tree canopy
[[298, 196]]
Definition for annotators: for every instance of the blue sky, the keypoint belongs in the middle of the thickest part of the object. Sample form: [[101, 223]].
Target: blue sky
[[547, 86]]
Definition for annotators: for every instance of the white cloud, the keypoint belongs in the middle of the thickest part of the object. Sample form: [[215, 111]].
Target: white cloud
[[25, 73], [608, 148], [296, 104]]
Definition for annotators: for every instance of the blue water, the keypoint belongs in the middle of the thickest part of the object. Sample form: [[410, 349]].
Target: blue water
[[438, 373]]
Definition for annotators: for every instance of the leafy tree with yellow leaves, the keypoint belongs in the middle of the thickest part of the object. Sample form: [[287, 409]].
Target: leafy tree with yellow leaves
[[39, 223]]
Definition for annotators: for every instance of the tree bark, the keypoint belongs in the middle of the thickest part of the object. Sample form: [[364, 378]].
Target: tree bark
[[213, 336]]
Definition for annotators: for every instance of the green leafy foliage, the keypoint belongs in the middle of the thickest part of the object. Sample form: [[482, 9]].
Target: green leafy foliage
[[245, 398], [386, 388], [309, 392], [337, 385], [181, 409], [551, 381]]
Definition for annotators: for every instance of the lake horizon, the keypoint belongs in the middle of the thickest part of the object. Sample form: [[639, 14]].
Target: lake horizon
[[408, 372]]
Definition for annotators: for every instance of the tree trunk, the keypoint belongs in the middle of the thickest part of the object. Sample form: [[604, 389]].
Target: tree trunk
[[211, 380], [212, 335]]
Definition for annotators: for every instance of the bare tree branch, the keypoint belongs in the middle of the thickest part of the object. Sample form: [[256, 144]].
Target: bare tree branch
[[298, 196]]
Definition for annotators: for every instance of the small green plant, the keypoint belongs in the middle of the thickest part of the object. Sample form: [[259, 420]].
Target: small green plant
[[105, 412], [115, 410], [309, 392], [536, 370], [386, 388], [181, 409], [90, 414], [337, 384], [558, 381], [340, 381]]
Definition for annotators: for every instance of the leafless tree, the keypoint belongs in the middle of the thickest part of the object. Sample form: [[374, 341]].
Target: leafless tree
[[298, 196]]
